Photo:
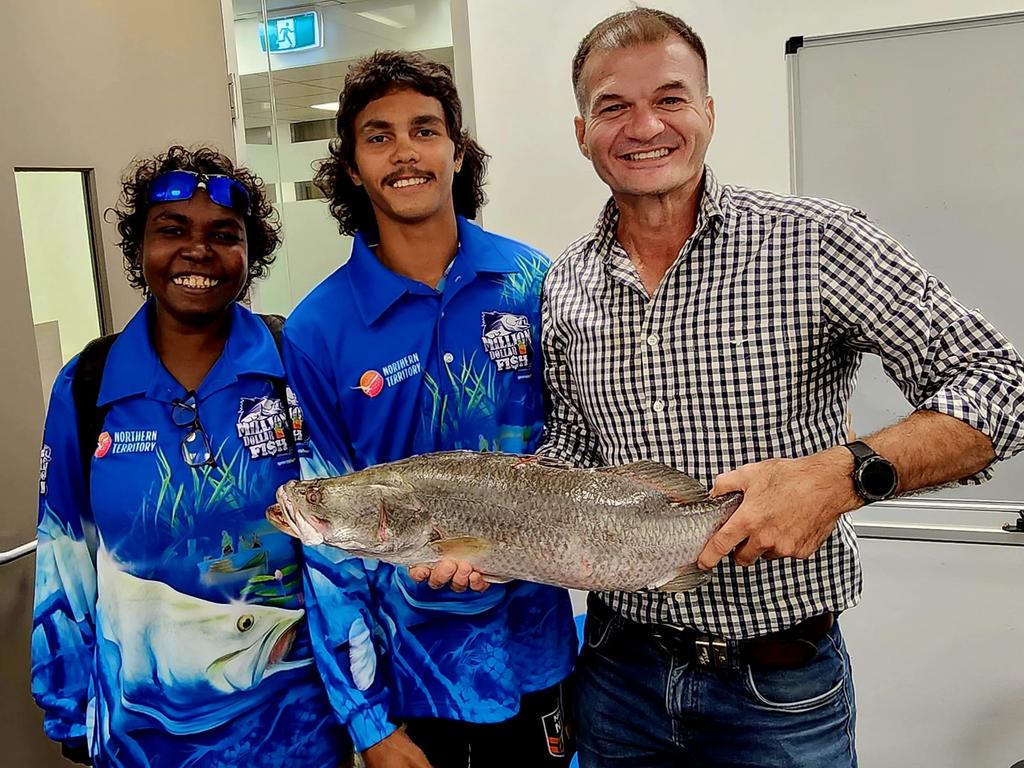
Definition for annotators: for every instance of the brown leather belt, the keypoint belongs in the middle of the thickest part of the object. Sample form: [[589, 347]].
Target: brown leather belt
[[791, 648]]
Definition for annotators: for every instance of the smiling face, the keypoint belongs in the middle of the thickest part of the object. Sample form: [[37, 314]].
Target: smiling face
[[404, 157], [194, 258], [648, 120]]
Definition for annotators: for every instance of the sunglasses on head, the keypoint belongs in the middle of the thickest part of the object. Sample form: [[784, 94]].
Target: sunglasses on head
[[172, 186]]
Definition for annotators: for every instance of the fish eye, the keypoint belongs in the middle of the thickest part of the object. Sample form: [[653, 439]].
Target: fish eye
[[314, 495], [245, 622]]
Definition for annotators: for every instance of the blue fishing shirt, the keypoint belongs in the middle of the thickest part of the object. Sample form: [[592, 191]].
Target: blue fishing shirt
[[169, 627], [386, 367]]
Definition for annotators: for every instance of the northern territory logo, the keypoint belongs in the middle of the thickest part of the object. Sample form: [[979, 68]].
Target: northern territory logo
[[506, 339], [373, 382], [103, 443], [126, 441]]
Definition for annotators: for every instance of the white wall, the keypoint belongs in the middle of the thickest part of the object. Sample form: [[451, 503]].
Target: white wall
[[544, 192]]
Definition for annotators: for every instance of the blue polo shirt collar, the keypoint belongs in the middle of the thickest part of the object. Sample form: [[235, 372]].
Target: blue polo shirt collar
[[133, 367], [377, 288]]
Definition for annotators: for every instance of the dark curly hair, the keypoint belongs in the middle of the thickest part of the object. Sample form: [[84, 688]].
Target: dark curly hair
[[369, 79], [262, 227]]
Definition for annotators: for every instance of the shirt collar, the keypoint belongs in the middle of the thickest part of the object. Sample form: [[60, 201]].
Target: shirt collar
[[377, 288], [134, 368], [603, 237]]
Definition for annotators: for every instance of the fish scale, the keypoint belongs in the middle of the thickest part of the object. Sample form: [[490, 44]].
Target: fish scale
[[514, 517]]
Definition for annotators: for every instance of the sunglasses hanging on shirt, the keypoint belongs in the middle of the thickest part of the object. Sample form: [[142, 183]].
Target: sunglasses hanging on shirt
[[195, 445]]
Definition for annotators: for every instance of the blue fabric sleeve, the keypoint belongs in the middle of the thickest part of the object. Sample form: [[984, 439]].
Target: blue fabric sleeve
[[339, 604], [63, 626]]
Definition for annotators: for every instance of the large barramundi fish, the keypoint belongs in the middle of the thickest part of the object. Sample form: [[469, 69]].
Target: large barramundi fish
[[632, 527]]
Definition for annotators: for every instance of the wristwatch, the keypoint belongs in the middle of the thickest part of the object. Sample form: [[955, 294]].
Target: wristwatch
[[874, 478]]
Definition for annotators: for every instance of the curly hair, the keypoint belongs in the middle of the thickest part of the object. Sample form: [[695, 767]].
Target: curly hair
[[262, 227], [369, 79]]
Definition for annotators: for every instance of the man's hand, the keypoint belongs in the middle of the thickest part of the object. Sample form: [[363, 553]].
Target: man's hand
[[458, 575], [396, 751], [789, 508]]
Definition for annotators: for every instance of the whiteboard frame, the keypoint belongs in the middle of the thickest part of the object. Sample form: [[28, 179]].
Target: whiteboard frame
[[994, 535]]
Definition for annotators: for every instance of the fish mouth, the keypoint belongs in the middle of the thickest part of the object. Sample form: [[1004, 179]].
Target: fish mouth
[[282, 647], [275, 514], [244, 668]]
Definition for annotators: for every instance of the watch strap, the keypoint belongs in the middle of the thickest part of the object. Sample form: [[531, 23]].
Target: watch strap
[[861, 451]]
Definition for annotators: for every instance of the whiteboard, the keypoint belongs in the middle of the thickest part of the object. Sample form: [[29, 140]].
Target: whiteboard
[[923, 129]]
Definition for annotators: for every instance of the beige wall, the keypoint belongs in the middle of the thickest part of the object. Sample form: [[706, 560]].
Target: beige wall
[[89, 84]]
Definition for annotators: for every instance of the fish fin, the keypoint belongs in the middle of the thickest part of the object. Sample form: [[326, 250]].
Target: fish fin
[[541, 461], [496, 579], [678, 486], [461, 547], [688, 577]]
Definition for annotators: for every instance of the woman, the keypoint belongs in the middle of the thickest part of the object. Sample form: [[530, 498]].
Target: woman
[[169, 628]]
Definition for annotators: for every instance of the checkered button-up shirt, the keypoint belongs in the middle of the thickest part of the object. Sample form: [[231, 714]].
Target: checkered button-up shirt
[[749, 350]]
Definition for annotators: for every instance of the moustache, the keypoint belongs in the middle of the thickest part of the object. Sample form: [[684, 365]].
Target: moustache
[[406, 173]]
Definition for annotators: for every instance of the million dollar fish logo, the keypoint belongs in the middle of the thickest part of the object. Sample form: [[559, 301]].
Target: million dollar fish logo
[[506, 337]]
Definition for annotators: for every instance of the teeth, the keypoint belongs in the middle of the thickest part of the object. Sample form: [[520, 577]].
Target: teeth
[[195, 281], [647, 155], [409, 183]]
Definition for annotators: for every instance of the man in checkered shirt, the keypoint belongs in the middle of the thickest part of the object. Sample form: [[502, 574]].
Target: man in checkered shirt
[[719, 330]]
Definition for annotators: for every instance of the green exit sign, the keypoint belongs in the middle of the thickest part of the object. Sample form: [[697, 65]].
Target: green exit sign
[[284, 34]]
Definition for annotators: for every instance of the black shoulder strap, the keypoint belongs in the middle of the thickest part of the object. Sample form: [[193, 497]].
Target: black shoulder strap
[[85, 391], [275, 324]]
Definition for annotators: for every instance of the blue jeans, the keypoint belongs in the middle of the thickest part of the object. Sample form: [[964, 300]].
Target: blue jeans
[[639, 707]]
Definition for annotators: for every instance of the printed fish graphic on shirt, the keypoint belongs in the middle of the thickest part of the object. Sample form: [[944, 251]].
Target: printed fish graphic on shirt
[[186, 644], [259, 408], [505, 324]]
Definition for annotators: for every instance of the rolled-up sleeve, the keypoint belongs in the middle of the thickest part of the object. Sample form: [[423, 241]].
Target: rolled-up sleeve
[[943, 356]]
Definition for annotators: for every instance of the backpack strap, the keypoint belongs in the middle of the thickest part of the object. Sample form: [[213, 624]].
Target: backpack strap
[[275, 324], [85, 391]]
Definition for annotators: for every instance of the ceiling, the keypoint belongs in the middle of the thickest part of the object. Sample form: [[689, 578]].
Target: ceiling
[[246, 8], [298, 88]]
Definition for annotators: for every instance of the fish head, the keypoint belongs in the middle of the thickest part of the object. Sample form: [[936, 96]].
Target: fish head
[[254, 641], [368, 515]]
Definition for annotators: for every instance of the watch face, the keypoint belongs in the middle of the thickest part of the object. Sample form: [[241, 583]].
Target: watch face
[[877, 478]]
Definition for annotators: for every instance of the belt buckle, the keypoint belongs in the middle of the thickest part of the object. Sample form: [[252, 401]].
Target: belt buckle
[[714, 652]]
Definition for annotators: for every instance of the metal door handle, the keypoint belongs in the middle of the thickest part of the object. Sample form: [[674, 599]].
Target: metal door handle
[[13, 554]]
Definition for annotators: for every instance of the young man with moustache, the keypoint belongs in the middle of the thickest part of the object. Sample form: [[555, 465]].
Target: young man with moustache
[[719, 329], [426, 340]]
